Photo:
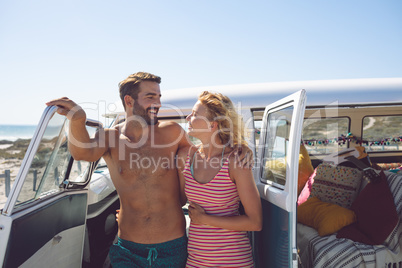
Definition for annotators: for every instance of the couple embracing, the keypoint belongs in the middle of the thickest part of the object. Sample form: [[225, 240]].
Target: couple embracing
[[210, 177]]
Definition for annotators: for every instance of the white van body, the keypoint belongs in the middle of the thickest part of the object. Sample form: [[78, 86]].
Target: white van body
[[63, 214]]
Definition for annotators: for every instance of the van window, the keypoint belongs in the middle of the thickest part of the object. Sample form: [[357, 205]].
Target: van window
[[276, 147], [48, 166], [50, 163], [320, 135], [257, 130], [382, 133]]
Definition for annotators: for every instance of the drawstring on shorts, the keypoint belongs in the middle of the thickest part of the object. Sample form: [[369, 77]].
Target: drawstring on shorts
[[152, 255]]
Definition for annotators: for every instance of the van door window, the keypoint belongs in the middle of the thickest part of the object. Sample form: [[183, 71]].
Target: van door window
[[80, 169], [276, 147], [382, 133], [49, 163]]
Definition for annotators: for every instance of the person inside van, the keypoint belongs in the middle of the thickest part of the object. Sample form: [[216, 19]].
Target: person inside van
[[214, 185]]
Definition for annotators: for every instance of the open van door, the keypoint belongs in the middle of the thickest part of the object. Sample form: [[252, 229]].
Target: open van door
[[276, 175], [43, 221]]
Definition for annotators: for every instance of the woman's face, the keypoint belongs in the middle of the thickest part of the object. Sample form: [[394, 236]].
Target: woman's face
[[198, 122]]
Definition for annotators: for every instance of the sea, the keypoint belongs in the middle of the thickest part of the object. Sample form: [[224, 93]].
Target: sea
[[15, 132]]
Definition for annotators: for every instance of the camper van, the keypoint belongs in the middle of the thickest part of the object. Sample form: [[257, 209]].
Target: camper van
[[320, 148]]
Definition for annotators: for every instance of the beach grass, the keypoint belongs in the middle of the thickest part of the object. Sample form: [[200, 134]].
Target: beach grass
[[11, 156], [16, 150]]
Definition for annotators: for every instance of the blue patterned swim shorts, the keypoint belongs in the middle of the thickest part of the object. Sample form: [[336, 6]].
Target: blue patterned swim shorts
[[167, 254]]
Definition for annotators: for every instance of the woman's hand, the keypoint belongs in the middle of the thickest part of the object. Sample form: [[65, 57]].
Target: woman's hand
[[196, 213]]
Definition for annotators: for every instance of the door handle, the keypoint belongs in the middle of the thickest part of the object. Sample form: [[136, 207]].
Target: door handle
[[56, 239]]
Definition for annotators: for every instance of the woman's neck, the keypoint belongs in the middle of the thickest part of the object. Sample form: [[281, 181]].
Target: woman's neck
[[210, 150]]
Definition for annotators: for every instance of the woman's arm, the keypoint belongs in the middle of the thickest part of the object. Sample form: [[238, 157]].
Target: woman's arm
[[250, 198]]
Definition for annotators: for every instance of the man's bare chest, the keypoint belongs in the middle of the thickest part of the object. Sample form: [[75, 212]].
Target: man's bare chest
[[144, 161]]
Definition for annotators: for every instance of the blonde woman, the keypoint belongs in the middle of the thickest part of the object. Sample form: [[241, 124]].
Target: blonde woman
[[214, 185]]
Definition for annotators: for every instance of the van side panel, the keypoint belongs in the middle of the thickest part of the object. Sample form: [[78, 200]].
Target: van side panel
[[33, 230], [268, 253]]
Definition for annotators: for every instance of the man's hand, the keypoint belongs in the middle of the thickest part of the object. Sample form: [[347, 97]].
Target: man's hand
[[68, 108], [244, 157], [117, 215], [80, 144]]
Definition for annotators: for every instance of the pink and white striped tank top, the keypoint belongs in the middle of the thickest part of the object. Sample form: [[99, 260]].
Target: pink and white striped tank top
[[210, 246]]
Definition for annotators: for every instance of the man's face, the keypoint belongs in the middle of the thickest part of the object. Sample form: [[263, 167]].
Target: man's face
[[148, 102]]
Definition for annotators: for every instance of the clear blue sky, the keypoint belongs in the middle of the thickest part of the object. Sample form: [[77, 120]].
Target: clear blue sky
[[82, 49]]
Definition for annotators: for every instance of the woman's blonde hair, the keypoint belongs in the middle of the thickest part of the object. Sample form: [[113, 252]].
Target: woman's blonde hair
[[230, 123]]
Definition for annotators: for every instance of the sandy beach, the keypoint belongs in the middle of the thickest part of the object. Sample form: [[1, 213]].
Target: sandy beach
[[5, 146], [11, 158], [8, 163]]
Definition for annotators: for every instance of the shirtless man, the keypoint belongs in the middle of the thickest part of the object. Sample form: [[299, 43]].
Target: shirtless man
[[140, 155]]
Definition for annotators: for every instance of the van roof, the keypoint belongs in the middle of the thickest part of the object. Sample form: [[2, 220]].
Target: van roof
[[319, 92]]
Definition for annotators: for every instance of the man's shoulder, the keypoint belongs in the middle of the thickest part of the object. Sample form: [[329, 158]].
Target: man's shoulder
[[184, 151], [113, 130], [168, 124], [106, 131], [171, 125]]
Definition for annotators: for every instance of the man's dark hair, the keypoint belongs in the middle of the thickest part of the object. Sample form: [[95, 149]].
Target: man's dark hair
[[131, 85]]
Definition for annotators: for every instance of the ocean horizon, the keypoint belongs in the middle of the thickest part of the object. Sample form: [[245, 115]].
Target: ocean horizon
[[15, 132]]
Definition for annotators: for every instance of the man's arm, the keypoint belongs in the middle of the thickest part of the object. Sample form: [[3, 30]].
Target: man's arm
[[180, 162], [244, 156], [81, 146], [178, 135], [183, 142]]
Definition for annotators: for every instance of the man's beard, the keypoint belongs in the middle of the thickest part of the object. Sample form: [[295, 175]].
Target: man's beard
[[138, 110]]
